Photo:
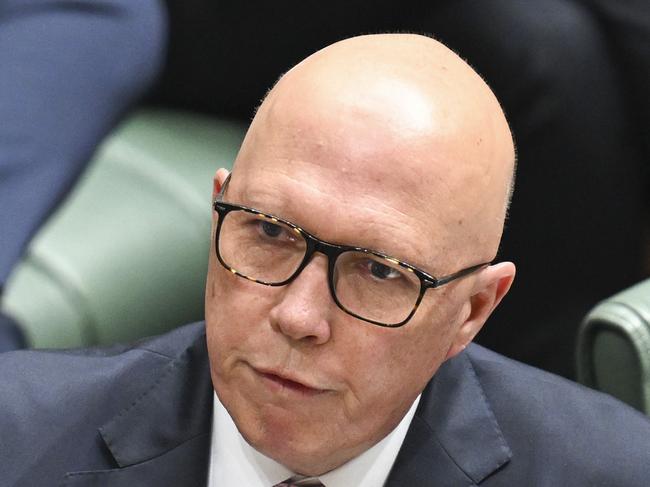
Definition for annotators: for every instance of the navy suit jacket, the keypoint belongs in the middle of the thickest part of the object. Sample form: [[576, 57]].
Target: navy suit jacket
[[141, 416]]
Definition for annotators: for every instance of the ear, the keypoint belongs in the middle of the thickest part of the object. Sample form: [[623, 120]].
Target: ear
[[490, 286], [218, 180]]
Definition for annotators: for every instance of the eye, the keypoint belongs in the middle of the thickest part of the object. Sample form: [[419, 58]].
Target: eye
[[271, 229], [383, 272]]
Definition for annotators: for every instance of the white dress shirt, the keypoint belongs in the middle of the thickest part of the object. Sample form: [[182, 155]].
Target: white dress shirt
[[235, 462]]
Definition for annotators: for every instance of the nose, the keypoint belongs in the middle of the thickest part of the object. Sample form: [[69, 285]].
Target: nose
[[305, 306]]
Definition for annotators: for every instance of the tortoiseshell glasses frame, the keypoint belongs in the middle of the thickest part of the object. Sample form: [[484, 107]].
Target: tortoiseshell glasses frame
[[332, 251]]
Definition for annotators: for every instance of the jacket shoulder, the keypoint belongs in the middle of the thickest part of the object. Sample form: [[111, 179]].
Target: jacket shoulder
[[559, 429], [52, 401], [40, 378]]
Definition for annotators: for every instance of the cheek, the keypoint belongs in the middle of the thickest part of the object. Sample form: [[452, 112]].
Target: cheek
[[385, 375], [403, 369], [230, 296], [236, 312], [393, 366], [378, 391]]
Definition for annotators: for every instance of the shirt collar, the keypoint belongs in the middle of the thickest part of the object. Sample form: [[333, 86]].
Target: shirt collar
[[234, 462]]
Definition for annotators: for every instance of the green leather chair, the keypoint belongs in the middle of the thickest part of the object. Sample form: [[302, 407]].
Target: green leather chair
[[126, 254], [613, 350]]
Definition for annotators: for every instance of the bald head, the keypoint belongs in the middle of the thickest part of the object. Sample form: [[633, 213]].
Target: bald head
[[396, 114]]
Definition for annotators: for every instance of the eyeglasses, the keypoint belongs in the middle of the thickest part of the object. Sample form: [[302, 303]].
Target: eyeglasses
[[366, 284]]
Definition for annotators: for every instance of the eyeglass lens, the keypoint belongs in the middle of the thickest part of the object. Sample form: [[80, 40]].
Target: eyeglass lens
[[367, 285]]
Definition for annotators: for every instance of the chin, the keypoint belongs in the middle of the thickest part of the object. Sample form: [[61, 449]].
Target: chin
[[303, 456], [274, 432]]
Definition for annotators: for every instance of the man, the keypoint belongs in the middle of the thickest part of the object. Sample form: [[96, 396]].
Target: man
[[337, 357]]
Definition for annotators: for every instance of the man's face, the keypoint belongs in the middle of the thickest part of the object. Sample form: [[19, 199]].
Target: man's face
[[306, 383]]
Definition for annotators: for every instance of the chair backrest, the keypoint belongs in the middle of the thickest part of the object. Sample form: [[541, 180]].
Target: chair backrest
[[613, 350], [126, 254]]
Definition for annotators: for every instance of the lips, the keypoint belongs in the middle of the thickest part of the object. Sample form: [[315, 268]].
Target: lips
[[281, 383]]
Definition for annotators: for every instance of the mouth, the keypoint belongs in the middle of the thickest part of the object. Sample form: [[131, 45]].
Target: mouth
[[279, 383]]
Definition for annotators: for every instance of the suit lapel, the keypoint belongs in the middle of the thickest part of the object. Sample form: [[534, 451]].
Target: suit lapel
[[454, 438], [185, 465], [163, 437]]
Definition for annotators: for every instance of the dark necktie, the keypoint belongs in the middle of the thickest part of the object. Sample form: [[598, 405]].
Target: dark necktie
[[300, 480]]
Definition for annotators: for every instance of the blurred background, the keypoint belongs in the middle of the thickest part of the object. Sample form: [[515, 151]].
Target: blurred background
[[114, 115]]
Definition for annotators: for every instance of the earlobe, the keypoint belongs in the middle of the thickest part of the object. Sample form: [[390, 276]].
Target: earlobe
[[218, 180], [490, 288]]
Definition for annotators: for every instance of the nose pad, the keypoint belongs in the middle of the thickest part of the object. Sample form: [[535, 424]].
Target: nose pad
[[305, 305]]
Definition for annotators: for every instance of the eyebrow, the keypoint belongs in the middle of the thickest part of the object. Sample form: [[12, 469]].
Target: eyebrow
[[378, 249], [281, 209]]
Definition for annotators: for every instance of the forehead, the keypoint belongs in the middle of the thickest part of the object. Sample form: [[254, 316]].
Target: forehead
[[343, 192]]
